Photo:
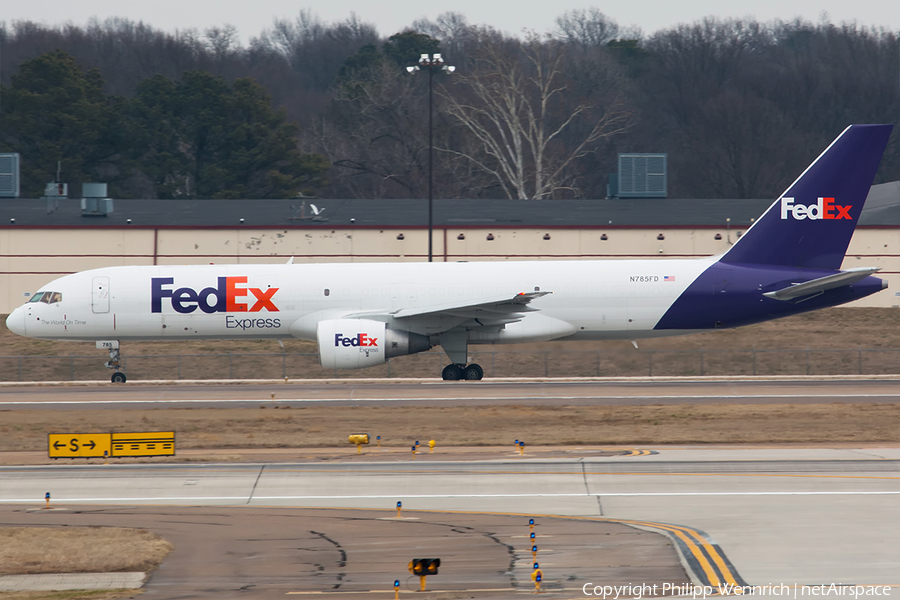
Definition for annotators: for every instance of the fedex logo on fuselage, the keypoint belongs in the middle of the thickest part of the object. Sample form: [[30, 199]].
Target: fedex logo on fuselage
[[361, 340], [227, 296], [825, 208]]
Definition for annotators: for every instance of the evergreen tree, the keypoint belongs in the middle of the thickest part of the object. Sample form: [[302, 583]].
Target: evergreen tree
[[202, 138], [54, 113]]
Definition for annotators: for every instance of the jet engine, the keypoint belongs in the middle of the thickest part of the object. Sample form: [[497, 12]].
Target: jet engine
[[359, 343]]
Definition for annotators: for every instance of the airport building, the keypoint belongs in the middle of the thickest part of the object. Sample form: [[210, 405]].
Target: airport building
[[42, 239]]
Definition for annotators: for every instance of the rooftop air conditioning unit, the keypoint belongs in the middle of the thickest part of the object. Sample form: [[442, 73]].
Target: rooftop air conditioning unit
[[94, 202]]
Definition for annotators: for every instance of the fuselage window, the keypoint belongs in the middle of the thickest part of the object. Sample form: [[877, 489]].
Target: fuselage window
[[37, 297]]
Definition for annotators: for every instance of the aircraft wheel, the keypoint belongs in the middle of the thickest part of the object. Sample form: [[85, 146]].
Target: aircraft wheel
[[118, 378], [452, 373], [474, 372]]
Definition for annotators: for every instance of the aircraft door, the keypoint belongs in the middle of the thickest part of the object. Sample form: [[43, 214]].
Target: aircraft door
[[100, 295]]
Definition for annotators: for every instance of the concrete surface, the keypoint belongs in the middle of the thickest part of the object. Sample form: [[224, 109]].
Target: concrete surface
[[349, 392], [71, 581], [257, 552], [793, 516]]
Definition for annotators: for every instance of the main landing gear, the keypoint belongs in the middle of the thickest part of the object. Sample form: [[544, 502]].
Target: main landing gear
[[455, 344], [457, 372], [113, 363]]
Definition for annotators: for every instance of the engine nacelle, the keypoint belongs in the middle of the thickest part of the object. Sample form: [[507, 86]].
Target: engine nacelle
[[360, 343]]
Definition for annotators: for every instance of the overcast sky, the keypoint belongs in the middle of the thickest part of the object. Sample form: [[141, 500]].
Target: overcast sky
[[391, 16]]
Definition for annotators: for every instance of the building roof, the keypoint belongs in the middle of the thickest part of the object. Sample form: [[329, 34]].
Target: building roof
[[882, 209]]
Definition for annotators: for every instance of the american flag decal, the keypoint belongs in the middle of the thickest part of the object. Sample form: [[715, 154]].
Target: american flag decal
[[669, 278]]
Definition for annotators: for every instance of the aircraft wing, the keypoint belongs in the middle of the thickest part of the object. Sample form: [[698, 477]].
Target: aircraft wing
[[817, 286], [494, 311]]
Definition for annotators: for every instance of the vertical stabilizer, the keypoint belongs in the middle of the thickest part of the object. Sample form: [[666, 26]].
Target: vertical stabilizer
[[811, 223]]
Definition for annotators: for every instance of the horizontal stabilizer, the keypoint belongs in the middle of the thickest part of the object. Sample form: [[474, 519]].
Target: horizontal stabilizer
[[821, 284]]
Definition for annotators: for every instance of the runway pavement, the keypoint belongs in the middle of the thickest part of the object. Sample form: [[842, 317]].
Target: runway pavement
[[814, 390], [804, 516], [264, 552], [792, 516]]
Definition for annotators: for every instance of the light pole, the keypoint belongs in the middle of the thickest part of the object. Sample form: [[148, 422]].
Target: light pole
[[431, 62]]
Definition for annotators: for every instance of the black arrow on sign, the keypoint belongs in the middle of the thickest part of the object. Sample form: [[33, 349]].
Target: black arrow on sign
[[92, 445], [57, 445]]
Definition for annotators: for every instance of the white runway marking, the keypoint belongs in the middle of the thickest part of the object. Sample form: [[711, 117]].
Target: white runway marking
[[427, 399], [425, 496]]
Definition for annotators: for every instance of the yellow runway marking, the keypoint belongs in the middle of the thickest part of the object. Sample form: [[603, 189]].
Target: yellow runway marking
[[683, 533], [391, 591]]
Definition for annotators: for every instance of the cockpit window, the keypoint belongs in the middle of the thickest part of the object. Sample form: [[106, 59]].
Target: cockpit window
[[47, 297]]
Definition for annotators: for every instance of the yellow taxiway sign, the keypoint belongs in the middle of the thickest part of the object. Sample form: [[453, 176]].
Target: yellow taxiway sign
[[148, 443], [79, 445], [98, 445]]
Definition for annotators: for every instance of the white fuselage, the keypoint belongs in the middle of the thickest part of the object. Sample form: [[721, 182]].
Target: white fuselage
[[613, 299]]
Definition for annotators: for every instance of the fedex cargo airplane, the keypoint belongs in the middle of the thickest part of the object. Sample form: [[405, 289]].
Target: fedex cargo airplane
[[360, 315]]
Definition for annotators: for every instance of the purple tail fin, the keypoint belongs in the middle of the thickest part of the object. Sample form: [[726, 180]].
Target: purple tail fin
[[811, 223]]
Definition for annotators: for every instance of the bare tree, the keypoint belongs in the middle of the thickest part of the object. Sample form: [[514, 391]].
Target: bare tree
[[314, 49], [698, 61], [372, 136], [457, 37], [744, 147], [222, 40], [513, 99], [587, 27]]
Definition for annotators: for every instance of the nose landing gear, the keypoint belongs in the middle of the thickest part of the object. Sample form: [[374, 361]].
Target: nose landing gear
[[113, 362]]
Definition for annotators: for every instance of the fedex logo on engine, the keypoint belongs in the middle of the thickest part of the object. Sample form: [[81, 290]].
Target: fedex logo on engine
[[360, 340], [225, 297], [825, 208]]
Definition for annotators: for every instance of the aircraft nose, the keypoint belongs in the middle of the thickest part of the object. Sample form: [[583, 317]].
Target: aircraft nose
[[15, 322]]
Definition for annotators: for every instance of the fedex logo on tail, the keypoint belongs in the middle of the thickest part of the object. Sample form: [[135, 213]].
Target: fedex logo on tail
[[361, 340], [227, 296], [825, 208]]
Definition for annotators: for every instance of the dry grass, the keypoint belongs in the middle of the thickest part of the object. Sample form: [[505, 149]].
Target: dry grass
[[466, 426], [285, 427], [33, 550], [831, 329]]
